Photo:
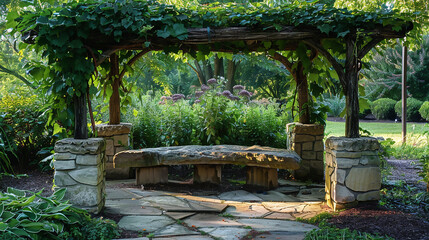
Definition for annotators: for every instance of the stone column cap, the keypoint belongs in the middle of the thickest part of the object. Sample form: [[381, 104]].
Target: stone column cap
[[108, 130], [306, 128], [352, 144], [80, 146]]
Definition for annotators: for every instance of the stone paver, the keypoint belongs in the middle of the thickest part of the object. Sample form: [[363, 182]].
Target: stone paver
[[276, 225], [247, 210], [227, 233], [131, 207], [210, 220], [174, 230], [280, 216], [117, 193], [150, 223], [228, 216], [239, 196]]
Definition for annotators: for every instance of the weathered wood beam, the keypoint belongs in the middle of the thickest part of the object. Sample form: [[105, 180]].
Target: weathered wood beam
[[115, 101], [80, 120], [351, 91]]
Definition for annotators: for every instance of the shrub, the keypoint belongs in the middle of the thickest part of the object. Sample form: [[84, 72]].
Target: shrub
[[336, 105], [27, 215], [384, 108], [424, 110], [413, 106], [22, 128]]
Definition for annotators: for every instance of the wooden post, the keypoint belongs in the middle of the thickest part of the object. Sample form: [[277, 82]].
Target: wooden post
[[115, 101], [80, 120], [302, 89], [351, 91], [404, 93]]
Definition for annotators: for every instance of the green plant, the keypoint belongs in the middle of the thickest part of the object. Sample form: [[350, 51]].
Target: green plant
[[383, 108], [327, 231], [424, 172], [424, 110], [336, 105], [413, 106], [316, 219], [27, 215]]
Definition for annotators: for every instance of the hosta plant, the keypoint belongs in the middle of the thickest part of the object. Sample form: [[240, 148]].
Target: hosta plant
[[27, 215]]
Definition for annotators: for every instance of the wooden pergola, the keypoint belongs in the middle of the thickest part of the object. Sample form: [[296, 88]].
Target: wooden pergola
[[219, 40]]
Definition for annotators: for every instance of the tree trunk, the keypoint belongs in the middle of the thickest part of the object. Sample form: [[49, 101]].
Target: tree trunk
[[80, 121], [115, 101], [208, 71], [218, 67], [200, 73], [232, 67], [302, 89], [351, 91]]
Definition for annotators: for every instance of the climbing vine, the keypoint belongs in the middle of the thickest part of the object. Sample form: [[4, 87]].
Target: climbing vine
[[64, 35]]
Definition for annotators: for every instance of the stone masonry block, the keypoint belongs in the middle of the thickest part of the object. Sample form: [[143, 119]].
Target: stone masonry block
[[319, 156], [341, 194], [339, 175], [297, 147], [80, 146], [370, 160], [88, 159], [346, 162], [308, 155], [369, 196], [64, 156], [107, 130], [311, 129], [121, 140], [110, 148], [87, 176], [345, 154], [64, 165], [363, 179], [303, 138], [120, 149], [353, 144], [62, 179], [307, 146], [318, 146]]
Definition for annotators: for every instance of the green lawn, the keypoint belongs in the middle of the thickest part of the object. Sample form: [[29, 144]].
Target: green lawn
[[386, 130]]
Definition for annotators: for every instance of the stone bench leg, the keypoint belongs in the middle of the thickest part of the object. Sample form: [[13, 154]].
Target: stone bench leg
[[151, 175], [207, 173], [263, 177]]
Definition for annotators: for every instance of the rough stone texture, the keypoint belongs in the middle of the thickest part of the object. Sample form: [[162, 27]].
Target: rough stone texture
[[86, 175], [117, 140], [150, 223], [263, 177], [64, 156], [363, 179], [352, 171], [64, 165], [247, 210], [90, 160], [107, 130], [174, 230], [80, 146], [369, 196], [207, 173], [219, 154], [231, 233], [239, 196], [63, 179], [151, 175], [341, 194], [276, 225], [83, 173], [210, 220], [307, 141]]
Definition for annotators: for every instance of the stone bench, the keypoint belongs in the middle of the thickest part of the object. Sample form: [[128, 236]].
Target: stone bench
[[262, 162]]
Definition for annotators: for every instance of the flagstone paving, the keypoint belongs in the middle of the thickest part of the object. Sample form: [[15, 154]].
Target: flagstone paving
[[227, 216]]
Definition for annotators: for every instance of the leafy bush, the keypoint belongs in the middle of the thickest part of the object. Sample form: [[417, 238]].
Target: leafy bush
[[22, 130], [424, 110], [424, 173], [384, 108], [27, 215], [413, 106], [209, 118], [336, 105]]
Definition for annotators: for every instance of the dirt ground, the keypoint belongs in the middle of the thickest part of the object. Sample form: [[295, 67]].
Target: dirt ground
[[368, 218]]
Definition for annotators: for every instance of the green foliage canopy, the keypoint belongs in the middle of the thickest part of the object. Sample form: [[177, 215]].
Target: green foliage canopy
[[63, 34]]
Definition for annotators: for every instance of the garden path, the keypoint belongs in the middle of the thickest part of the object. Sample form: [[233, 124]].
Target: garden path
[[229, 215]]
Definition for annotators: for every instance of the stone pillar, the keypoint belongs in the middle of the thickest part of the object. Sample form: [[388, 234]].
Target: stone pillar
[[307, 141], [79, 167], [352, 172], [117, 140]]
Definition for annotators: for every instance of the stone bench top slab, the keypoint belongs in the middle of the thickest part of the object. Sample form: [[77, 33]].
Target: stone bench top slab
[[220, 154]]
